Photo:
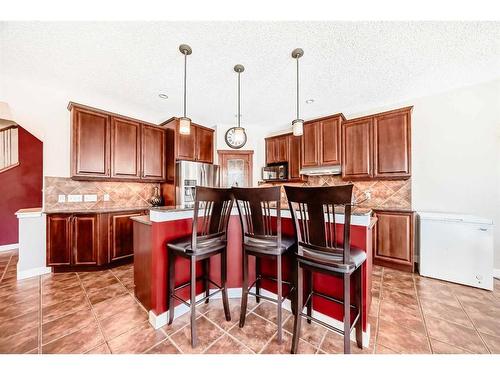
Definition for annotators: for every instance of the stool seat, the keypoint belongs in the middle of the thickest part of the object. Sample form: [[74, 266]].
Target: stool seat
[[184, 245], [333, 261], [264, 246]]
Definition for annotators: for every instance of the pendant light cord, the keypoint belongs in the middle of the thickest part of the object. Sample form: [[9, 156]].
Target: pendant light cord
[[239, 99], [297, 87], [185, 66]]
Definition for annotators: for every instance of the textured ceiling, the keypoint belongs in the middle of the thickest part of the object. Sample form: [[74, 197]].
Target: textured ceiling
[[347, 66]]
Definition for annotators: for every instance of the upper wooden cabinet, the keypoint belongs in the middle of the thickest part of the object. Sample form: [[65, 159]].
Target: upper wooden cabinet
[[294, 153], [204, 144], [392, 144], [277, 149], [377, 146], [109, 146], [357, 148], [125, 148], [153, 153], [393, 244], [321, 142], [198, 145], [90, 143]]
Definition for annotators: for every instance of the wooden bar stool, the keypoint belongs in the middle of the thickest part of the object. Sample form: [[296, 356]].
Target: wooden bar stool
[[319, 250], [260, 239], [212, 209]]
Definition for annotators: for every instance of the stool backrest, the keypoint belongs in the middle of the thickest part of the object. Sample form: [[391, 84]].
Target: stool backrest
[[313, 213], [212, 209], [255, 206]]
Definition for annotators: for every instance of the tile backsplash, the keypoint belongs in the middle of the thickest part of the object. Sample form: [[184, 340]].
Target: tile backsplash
[[388, 194], [121, 194]]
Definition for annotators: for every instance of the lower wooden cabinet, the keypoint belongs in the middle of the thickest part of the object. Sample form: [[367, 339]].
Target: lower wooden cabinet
[[393, 242], [89, 240]]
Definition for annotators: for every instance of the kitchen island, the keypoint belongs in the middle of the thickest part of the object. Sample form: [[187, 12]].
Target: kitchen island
[[164, 224]]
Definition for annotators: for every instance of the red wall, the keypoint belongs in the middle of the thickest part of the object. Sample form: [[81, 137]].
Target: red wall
[[21, 187]]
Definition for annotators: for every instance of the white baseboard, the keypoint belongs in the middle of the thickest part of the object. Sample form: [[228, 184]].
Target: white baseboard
[[158, 321], [33, 272], [12, 246], [496, 273]]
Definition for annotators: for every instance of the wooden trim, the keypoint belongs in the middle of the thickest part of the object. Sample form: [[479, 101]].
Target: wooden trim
[[8, 128], [243, 152], [72, 105], [409, 108], [9, 167], [175, 119], [326, 118]]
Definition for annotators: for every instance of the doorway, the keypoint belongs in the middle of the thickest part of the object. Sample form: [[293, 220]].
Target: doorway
[[236, 167]]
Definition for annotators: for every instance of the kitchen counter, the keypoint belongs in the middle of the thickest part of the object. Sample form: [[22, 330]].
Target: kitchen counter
[[96, 210], [144, 219], [359, 215]]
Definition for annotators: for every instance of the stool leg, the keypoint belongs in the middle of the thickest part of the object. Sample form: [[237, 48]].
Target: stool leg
[[244, 297], [309, 290], [257, 282], [171, 285], [206, 274], [359, 303], [347, 313], [194, 339], [280, 297], [223, 277], [297, 317], [293, 280]]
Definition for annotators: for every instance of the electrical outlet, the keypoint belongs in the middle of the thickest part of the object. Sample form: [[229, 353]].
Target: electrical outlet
[[105, 197], [90, 198], [72, 198], [61, 198], [368, 194]]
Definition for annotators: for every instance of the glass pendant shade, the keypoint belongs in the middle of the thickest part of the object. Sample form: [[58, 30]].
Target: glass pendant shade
[[184, 125], [239, 134], [298, 127]]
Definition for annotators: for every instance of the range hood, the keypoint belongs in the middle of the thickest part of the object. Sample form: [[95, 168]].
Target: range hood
[[318, 171]]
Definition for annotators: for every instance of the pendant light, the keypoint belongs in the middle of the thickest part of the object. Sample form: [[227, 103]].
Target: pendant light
[[298, 123], [239, 132], [185, 122]]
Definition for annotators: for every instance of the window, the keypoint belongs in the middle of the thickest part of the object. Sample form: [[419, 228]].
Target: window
[[9, 147]]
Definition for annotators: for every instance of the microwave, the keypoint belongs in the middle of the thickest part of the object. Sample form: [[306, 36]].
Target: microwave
[[277, 172]]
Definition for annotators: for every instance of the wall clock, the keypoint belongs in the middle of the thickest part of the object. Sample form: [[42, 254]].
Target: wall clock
[[236, 137]]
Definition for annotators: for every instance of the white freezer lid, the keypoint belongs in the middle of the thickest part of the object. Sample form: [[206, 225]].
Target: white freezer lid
[[453, 217]]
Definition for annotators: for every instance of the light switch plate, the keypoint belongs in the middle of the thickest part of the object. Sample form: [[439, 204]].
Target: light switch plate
[[75, 198], [61, 198], [90, 198], [106, 197]]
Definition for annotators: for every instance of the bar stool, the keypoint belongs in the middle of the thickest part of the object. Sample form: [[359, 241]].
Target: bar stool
[[263, 240], [319, 250], [212, 209]]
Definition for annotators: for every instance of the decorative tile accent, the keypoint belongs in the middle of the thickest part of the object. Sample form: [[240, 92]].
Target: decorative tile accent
[[121, 194], [388, 194]]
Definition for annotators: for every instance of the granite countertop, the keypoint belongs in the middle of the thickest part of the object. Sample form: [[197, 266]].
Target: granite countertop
[[94, 210], [178, 208], [144, 219]]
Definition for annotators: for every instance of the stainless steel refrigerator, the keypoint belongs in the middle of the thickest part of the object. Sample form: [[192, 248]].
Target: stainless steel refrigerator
[[189, 174]]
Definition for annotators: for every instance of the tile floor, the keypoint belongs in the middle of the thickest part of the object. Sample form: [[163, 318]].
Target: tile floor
[[96, 312]]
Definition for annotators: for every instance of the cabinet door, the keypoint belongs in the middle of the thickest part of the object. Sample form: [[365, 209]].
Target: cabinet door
[[281, 149], [330, 141], [84, 239], [270, 150], [153, 153], [58, 240], [186, 144], [394, 239], [121, 235], [357, 149], [392, 145], [90, 145], [310, 145], [125, 148], [204, 145], [294, 152]]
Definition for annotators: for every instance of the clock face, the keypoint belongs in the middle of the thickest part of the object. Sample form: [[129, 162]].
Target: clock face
[[236, 139]]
